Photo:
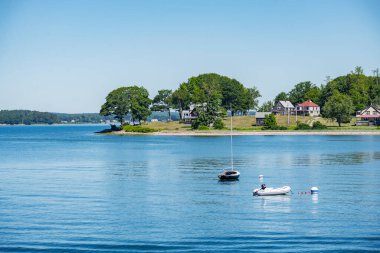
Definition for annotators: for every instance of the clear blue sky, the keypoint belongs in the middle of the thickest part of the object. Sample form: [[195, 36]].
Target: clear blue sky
[[65, 56]]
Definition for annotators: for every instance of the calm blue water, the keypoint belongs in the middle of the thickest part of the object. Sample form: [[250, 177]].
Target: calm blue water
[[64, 188]]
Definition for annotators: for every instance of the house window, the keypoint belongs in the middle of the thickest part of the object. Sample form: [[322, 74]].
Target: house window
[[368, 113]]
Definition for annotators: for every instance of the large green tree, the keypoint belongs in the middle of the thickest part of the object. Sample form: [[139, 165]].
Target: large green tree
[[140, 103], [282, 96], [117, 104], [298, 93], [131, 100], [374, 88], [213, 95], [339, 107], [235, 96], [162, 101], [206, 96], [181, 98], [252, 98], [313, 94], [362, 89]]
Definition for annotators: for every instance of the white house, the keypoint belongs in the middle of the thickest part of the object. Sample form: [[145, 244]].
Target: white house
[[189, 115], [308, 107]]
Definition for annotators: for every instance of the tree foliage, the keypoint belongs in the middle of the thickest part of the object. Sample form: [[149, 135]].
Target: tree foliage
[[162, 101], [339, 107], [117, 104], [300, 91], [218, 124], [131, 100], [181, 98], [213, 95], [253, 98], [282, 96], [266, 107], [362, 89], [26, 117], [270, 121], [140, 102]]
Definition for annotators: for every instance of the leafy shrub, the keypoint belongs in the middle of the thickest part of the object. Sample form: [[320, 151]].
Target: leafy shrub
[[138, 129], [302, 126], [319, 125], [218, 124], [270, 122], [115, 128], [195, 124], [203, 128]]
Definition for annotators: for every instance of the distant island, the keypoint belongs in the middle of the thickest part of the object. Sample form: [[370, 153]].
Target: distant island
[[28, 117], [204, 103]]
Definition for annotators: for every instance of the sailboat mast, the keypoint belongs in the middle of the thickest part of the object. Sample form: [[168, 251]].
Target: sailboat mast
[[232, 153]]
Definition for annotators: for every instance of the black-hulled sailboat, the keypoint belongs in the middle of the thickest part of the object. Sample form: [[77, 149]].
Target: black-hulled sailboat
[[230, 174]]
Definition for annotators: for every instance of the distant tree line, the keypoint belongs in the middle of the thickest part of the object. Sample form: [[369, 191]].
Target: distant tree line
[[13, 117], [26, 117]]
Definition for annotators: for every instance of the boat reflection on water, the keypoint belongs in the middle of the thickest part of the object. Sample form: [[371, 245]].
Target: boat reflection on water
[[315, 206], [228, 182], [314, 198], [279, 203]]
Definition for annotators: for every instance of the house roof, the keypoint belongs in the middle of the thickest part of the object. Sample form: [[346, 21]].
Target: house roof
[[261, 115], [286, 104], [376, 107], [308, 103]]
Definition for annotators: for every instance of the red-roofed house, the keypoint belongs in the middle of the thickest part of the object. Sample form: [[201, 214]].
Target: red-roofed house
[[308, 107]]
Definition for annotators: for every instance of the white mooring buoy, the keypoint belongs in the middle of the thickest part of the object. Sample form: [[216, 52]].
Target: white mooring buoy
[[314, 190]]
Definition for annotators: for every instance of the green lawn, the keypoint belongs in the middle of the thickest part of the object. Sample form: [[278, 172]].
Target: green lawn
[[247, 123]]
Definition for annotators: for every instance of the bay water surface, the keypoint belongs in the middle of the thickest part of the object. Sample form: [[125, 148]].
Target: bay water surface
[[67, 189]]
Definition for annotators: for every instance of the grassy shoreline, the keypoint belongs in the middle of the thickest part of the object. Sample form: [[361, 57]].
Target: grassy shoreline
[[244, 125]]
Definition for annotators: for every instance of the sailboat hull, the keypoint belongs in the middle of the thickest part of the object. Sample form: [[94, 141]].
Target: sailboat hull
[[229, 175]]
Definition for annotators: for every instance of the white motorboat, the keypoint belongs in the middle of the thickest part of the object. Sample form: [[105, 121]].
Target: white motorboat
[[229, 175], [269, 191]]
